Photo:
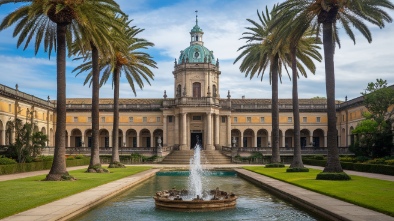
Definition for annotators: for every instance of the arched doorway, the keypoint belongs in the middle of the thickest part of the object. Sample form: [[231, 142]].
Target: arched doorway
[[289, 137], [248, 138], [145, 138], [104, 138], [262, 138], [318, 138], [76, 138], [131, 138]]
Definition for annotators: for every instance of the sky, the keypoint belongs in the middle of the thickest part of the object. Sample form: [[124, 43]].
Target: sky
[[167, 24]]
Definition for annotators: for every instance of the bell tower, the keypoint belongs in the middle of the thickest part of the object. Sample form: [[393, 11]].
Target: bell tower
[[196, 93]]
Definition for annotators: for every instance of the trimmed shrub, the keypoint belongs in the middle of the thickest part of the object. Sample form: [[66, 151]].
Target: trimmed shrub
[[6, 161], [80, 156], [42, 165], [274, 165], [376, 161], [390, 162], [297, 169], [314, 162], [332, 176]]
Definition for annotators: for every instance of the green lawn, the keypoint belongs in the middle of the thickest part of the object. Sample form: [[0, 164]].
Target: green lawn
[[23, 194], [366, 192]]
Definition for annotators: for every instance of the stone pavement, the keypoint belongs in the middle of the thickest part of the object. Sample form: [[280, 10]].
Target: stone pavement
[[71, 206]]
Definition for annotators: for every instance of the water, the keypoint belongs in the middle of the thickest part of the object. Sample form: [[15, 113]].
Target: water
[[195, 181], [252, 204]]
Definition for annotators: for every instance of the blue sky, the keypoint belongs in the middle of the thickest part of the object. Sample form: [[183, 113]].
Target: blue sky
[[167, 24]]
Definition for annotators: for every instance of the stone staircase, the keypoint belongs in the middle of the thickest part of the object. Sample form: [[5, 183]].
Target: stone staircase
[[207, 157]]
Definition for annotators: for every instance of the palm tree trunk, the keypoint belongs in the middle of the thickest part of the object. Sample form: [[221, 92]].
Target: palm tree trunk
[[275, 112], [297, 158], [58, 169], [333, 164], [95, 149], [115, 132]]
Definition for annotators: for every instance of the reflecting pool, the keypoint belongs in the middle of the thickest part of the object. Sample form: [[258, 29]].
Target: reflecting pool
[[253, 203]]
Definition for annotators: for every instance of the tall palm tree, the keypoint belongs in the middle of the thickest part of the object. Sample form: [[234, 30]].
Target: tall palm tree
[[88, 50], [327, 14], [135, 65], [302, 44], [128, 58], [261, 53], [56, 23]]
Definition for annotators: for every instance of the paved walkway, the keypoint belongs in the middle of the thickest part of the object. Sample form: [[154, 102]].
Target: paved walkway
[[71, 206]]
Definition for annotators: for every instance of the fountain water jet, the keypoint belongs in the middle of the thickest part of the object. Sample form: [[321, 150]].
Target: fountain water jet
[[195, 199]]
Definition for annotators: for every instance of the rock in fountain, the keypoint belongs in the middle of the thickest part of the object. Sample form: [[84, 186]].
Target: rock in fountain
[[195, 199]]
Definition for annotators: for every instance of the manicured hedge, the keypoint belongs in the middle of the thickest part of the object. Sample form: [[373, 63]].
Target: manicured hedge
[[42, 165], [361, 167]]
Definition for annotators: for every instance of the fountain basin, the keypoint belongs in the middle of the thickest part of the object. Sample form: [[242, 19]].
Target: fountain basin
[[174, 200]]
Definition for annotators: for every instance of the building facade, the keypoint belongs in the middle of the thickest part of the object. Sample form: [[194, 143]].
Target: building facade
[[196, 113]]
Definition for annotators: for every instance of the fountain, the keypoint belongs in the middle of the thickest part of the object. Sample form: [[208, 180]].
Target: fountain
[[195, 198]]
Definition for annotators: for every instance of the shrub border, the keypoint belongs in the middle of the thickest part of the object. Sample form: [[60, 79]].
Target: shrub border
[[35, 166], [361, 167]]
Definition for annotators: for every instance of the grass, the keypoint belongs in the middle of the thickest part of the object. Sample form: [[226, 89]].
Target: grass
[[370, 193], [23, 194]]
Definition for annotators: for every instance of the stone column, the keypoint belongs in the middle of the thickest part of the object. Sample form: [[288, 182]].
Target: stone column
[[183, 145], [138, 140], [241, 144], [209, 131], [2, 138], [255, 140], [110, 137], [283, 140], [69, 140], [269, 136], [325, 141], [164, 139], [217, 130], [152, 140], [176, 123], [229, 131]]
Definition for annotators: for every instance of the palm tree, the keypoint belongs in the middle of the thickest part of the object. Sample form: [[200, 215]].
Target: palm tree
[[261, 53], [88, 49], [302, 44], [135, 64], [56, 23], [328, 13]]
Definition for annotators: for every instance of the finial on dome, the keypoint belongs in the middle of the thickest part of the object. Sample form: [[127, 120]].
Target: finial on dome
[[196, 17]]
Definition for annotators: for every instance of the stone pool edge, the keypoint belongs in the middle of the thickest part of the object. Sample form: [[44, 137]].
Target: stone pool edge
[[322, 205], [74, 205]]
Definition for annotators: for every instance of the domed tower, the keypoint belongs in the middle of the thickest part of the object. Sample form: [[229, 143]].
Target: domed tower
[[196, 95], [197, 72]]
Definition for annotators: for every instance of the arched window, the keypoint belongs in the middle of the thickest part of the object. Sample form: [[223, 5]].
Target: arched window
[[196, 89], [214, 91], [179, 91]]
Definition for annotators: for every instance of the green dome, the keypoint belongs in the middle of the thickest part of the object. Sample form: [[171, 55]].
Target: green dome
[[196, 53], [196, 28]]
